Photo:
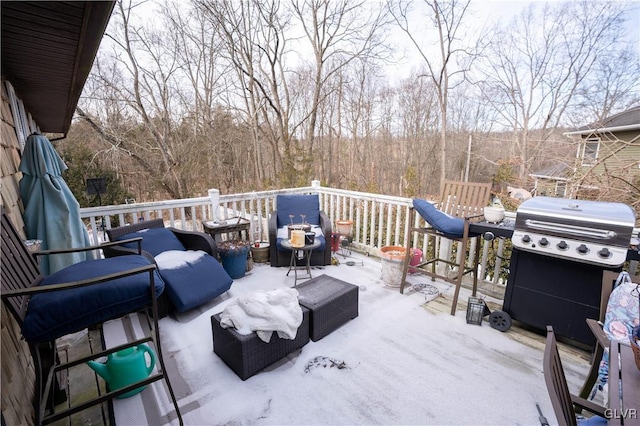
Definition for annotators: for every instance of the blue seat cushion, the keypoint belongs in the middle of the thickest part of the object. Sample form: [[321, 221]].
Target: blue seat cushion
[[592, 421], [154, 240], [320, 238], [192, 277], [54, 314], [296, 205], [450, 226]]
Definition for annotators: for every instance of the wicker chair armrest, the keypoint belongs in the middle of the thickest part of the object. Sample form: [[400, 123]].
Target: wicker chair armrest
[[273, 238], [118, 251], [76, 284], [125, 251], [115, 233], [273, 226], [193, 240], [325, 224], [113, 249]]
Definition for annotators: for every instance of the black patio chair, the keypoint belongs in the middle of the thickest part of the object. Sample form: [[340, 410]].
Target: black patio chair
[[81, 296], [564, 403]]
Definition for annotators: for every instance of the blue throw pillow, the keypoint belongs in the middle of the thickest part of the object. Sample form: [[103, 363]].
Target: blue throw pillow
[[296, 205], [192, 278], [451, 227], [154, 240], [54, 314]]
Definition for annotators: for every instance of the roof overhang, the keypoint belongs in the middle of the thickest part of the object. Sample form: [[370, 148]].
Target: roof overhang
[[602, 130], [535, 176], [48, 49], [625, 121]]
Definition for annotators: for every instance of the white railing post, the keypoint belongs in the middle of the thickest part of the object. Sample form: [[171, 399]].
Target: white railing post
[[214, 195]]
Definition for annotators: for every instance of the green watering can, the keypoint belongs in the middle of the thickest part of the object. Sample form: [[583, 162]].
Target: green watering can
[[125, 367]]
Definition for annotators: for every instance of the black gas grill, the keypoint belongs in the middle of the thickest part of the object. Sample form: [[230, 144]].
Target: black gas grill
[[561, 247]]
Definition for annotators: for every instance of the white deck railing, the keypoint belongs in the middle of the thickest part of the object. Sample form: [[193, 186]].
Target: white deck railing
[[378, 220]]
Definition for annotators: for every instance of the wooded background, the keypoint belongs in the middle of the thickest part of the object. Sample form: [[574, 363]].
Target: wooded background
[[384, 97]]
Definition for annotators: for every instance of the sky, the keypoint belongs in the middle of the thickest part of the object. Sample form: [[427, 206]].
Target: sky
[[404, 58], [484, 13]]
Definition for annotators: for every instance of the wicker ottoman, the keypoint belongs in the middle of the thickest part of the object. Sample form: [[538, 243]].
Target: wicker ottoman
[[247, 354], [332, 303]]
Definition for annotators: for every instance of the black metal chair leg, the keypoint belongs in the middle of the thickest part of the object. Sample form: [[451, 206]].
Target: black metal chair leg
[[166, 377]]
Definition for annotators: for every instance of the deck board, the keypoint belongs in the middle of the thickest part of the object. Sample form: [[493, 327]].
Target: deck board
[[575, 360], [81, 383], [442, 305]]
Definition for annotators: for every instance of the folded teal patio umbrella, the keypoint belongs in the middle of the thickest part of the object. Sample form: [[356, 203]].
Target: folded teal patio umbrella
[[51, 212]]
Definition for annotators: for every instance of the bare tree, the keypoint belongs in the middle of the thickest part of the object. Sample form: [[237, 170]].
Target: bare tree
[[257, 94], [610, 87], [196, 45], [256, 44], [339, 32], [536, 66], [284, 101], [441, 68], [145, 68], [419, 119]]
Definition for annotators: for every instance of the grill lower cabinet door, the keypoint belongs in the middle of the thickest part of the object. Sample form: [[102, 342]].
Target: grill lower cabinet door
[[544, 290]]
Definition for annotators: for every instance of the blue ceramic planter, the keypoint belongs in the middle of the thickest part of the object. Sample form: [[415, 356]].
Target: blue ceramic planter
[[234, 261]]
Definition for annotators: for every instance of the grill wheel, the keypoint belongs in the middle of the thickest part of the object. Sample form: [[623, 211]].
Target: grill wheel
[[500, 320]]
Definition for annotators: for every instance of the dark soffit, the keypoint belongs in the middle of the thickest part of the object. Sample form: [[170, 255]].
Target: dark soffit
[[48, 49]]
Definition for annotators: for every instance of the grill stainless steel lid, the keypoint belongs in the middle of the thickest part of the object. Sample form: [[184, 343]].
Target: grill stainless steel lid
[[585, 231]]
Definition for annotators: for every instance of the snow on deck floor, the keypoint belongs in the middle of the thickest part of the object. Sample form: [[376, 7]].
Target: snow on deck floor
[[404, 365]]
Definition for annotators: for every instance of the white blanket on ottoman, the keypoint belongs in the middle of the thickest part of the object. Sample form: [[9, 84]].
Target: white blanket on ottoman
[[265, 312]]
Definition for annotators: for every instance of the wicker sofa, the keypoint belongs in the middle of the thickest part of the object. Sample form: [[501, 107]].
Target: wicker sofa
[[188, 286]]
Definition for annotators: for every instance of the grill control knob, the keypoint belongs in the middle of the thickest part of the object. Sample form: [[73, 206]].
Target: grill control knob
[[526, 239], [562, 245], [543, 242], [605, 253], [489, 236], [583, 249]]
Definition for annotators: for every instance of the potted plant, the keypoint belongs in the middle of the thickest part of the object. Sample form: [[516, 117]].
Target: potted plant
[[233, 254]]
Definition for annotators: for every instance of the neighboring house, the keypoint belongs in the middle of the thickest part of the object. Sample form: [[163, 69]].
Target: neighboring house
[[48, 49], [552, 181], [607, 158]]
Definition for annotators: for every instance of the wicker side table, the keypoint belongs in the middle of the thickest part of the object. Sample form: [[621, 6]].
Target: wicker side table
[[247, 354], [332, 303], [233, 228]]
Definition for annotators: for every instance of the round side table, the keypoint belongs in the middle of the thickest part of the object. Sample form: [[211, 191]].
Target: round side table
[[303, 252]]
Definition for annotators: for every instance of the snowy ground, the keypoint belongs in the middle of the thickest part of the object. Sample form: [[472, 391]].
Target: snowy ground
[[404, 365]]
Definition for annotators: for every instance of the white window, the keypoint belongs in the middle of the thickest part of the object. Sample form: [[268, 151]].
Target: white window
[[19, 118], [590, 150]]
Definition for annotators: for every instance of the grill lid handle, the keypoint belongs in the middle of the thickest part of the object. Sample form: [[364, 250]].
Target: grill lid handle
[[602, 234]]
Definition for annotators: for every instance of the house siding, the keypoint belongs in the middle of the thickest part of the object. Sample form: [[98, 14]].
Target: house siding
[[18, 377], [614, 157], [548, 188]]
